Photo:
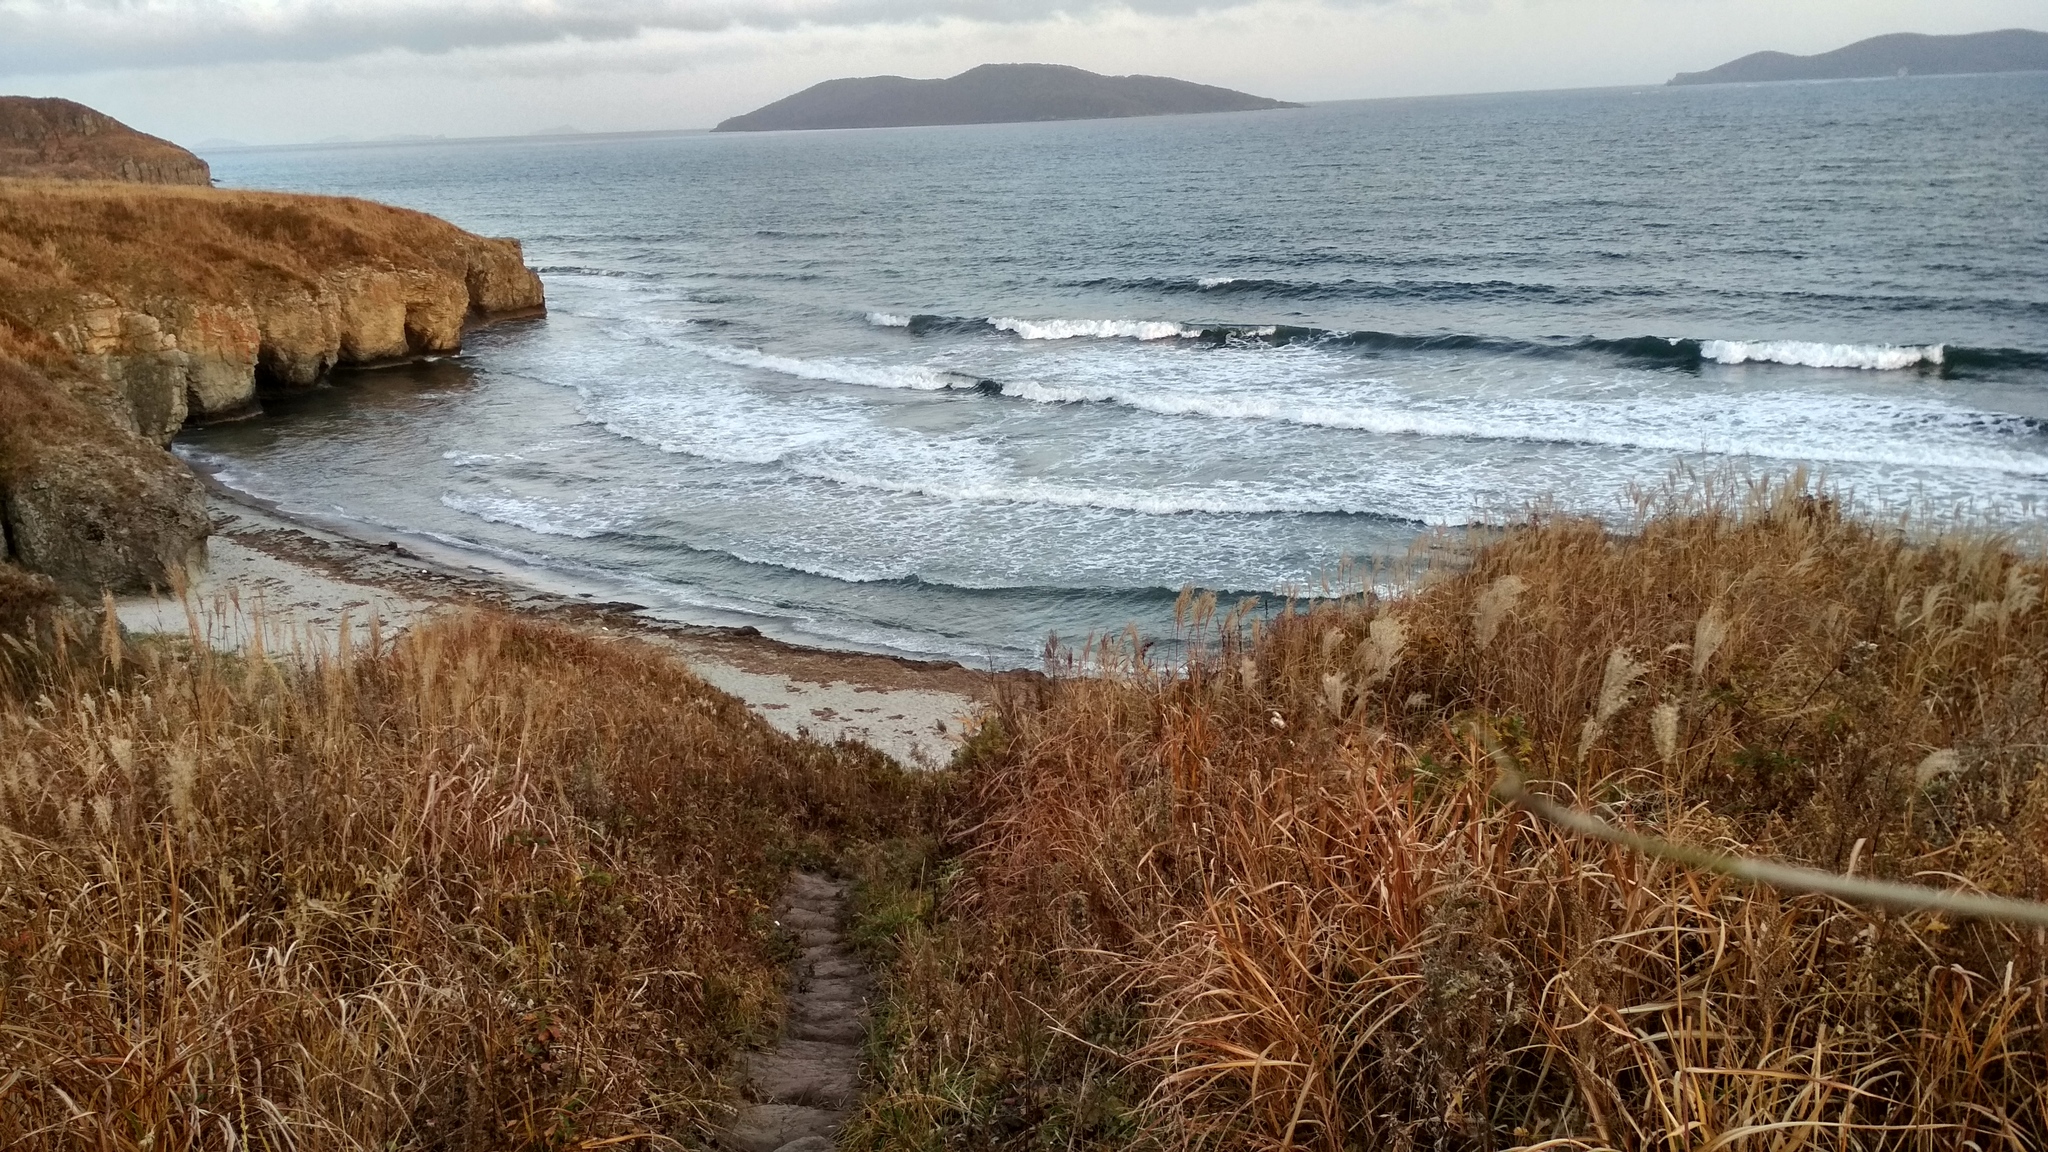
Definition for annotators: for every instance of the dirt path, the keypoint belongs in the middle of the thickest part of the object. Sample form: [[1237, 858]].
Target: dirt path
[[803, 1087]]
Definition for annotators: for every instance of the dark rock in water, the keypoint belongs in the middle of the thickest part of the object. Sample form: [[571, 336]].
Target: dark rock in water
[[1902, 53], [991, 94]]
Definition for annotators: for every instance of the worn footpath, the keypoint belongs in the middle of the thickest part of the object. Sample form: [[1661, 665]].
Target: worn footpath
[[801, 1090]]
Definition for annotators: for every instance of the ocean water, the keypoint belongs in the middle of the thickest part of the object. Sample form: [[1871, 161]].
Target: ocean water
[[947, 391]]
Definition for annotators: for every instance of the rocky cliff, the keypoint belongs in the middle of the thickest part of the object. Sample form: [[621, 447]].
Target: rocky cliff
[[61, 140], [126, 312]]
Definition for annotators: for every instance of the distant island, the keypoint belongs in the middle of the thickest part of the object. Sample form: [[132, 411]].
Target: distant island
[[1900, 54], [991, 94]]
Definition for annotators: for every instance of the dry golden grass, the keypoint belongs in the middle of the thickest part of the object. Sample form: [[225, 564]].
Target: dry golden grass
[[145, 243], [1267, 901], [498, 884]]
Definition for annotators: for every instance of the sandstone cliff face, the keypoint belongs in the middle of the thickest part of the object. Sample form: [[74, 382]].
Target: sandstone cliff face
[[59, 139], [174, 360], [126, 314]]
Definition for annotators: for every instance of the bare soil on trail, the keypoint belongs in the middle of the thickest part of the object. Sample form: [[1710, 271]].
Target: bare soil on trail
[[802, 1089]]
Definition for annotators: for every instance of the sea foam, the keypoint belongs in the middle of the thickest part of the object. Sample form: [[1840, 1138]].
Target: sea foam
[[534, 516], [1809, 354], [1096, 329], [862, 373]]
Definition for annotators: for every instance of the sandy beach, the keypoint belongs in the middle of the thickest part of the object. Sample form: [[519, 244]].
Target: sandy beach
[[278, 584]]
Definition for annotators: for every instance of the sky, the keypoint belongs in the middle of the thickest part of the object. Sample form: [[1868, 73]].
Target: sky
[[291, 71]]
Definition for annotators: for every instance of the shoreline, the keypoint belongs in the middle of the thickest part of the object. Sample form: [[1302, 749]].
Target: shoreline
[[515, 569], [274, 580]]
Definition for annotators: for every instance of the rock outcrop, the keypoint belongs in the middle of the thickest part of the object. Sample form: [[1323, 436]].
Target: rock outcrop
[[82, 499], [127, 312], [60, 140]]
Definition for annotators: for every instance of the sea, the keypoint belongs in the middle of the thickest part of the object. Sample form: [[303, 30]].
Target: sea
[[952, 392]]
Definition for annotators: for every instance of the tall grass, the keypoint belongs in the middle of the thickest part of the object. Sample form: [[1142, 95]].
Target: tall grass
[[1266, 900], [495, 884]]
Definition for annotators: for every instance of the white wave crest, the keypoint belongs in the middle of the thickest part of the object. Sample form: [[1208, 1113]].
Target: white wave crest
[[533, 516], [1215, 281], [1015, 491], [472, 459], [1808, 354], [861, 373], [888, 320], [1695, 428], [1096, 329]]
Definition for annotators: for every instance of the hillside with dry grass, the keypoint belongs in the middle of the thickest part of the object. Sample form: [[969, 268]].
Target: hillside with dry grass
[[52, 139], [1271, 900], [503, 884], [495, 884]]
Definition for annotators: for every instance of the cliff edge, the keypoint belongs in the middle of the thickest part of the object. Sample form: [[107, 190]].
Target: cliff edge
[[60, 140], [991, 94], [128, 310]]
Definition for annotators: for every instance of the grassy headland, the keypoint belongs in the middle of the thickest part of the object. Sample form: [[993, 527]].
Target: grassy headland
[[1268, 900], [128, 309]]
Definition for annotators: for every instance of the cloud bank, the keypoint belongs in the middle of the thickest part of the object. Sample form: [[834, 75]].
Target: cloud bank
[[57, 37]]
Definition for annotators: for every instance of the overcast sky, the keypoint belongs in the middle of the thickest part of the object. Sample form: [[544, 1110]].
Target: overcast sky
[[278, 71]]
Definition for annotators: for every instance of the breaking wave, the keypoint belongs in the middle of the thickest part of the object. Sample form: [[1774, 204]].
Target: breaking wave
[[1625, 429], [862, 373], [1013, 491], [1672, 351], [534, 516], [1893, 432], [1094, 329], [1870, 357]]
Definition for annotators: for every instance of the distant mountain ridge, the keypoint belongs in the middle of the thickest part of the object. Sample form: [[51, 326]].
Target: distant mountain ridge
[[2009, 50], [991, 94]]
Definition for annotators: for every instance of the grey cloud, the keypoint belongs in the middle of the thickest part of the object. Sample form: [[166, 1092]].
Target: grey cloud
[[42, 37]]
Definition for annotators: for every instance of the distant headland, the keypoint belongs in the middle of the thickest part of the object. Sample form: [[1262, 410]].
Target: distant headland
[[991, 94], [1900, 54], [59, 139]]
